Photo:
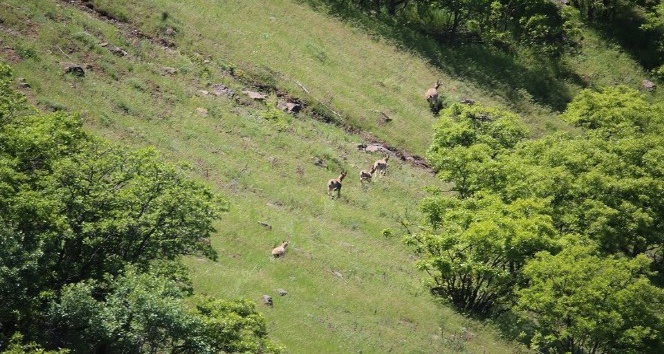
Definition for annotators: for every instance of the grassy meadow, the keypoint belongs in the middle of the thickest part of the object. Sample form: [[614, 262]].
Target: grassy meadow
[[352, 286]]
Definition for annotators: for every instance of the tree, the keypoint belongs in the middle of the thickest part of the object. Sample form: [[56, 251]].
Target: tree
[[474, 248], [579, 302], [466, 142], [146, 313], [75, 213]]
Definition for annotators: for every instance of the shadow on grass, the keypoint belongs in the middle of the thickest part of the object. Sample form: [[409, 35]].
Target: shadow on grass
[[624, 30], [540, 79]]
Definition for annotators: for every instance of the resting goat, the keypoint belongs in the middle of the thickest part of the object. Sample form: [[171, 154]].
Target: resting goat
[[281, 250], [335, 184]]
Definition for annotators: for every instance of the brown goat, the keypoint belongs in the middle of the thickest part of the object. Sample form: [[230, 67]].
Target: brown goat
[[431, 95], [380, 166], [335, 184], [280, 250], [366, 176]]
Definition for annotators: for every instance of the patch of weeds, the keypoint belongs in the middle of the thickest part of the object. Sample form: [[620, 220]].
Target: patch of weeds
[[114, 11], [260, 77], [88, 40], [318, 53], [322, 113], [124, 107], [137, 84], [331, 163], [281, 120], [51, 105], [26, 52], [105, 119]]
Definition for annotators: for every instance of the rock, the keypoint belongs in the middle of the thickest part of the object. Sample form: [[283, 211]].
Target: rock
[[376, 148], [319, 162], [22, 83], [202, 111], [222, 90], [648, 85], [118, 51], [255, 95], [265, 225], [468, 101], [289, 106], [267, 300], [282, 292], [74, 69], [169, 70]]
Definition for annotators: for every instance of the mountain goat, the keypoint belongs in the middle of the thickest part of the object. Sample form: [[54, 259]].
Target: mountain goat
[[280, 250], [335, 184]]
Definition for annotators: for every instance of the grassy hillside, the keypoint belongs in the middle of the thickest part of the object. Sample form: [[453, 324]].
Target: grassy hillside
[[150, 73]]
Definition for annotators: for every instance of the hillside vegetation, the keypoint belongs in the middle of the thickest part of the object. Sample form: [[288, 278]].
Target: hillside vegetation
[[171, 74]]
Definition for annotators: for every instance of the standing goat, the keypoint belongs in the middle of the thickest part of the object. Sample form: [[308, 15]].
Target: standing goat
[[335, 184], [432, 97], [281, 250], [366, 176], [380, 166]]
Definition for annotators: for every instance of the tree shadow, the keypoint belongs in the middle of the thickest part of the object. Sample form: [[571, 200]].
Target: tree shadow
[[624, 30], [544, 80]]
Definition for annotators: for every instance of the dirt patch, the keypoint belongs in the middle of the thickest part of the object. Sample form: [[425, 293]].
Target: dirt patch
[[378, 147]]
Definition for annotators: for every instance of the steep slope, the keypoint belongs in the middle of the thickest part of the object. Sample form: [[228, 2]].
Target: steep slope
[[151, 70]]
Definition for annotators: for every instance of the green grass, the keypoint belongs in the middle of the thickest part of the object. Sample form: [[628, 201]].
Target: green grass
[[263, 161]]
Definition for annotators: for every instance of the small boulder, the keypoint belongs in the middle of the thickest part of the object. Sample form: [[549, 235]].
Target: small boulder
[[169, 70], [267, 300], [22, 83], [289, 106], [282, 292], [648, 85], [222, 90], [118, 51], [255, 95], [74, 69]]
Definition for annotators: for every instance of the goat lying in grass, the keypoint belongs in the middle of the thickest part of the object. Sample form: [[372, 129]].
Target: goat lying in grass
[[380, 166], [280, 250], [335, 184], [366, 176]]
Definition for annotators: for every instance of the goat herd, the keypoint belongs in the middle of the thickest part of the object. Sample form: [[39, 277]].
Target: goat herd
[[379, 167], [334, 185]]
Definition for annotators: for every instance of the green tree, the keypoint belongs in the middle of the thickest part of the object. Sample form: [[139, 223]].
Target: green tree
[[474, 248], [74, 214], [579, 302], [466, 142], [140, 312]]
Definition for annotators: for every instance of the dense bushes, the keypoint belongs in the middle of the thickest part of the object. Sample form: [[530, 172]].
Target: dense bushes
[[91, 237], [563, 231]]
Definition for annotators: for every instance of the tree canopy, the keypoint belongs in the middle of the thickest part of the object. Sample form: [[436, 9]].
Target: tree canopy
[[91, 237], [564, 230]]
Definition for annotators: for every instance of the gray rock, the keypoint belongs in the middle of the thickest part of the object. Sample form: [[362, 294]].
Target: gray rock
[[267, 300]]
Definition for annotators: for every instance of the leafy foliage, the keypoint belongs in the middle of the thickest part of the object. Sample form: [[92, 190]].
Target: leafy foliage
[[579, 302], [554, 195], [146, 313], [476, 247], [90, 241], [467, 140]]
